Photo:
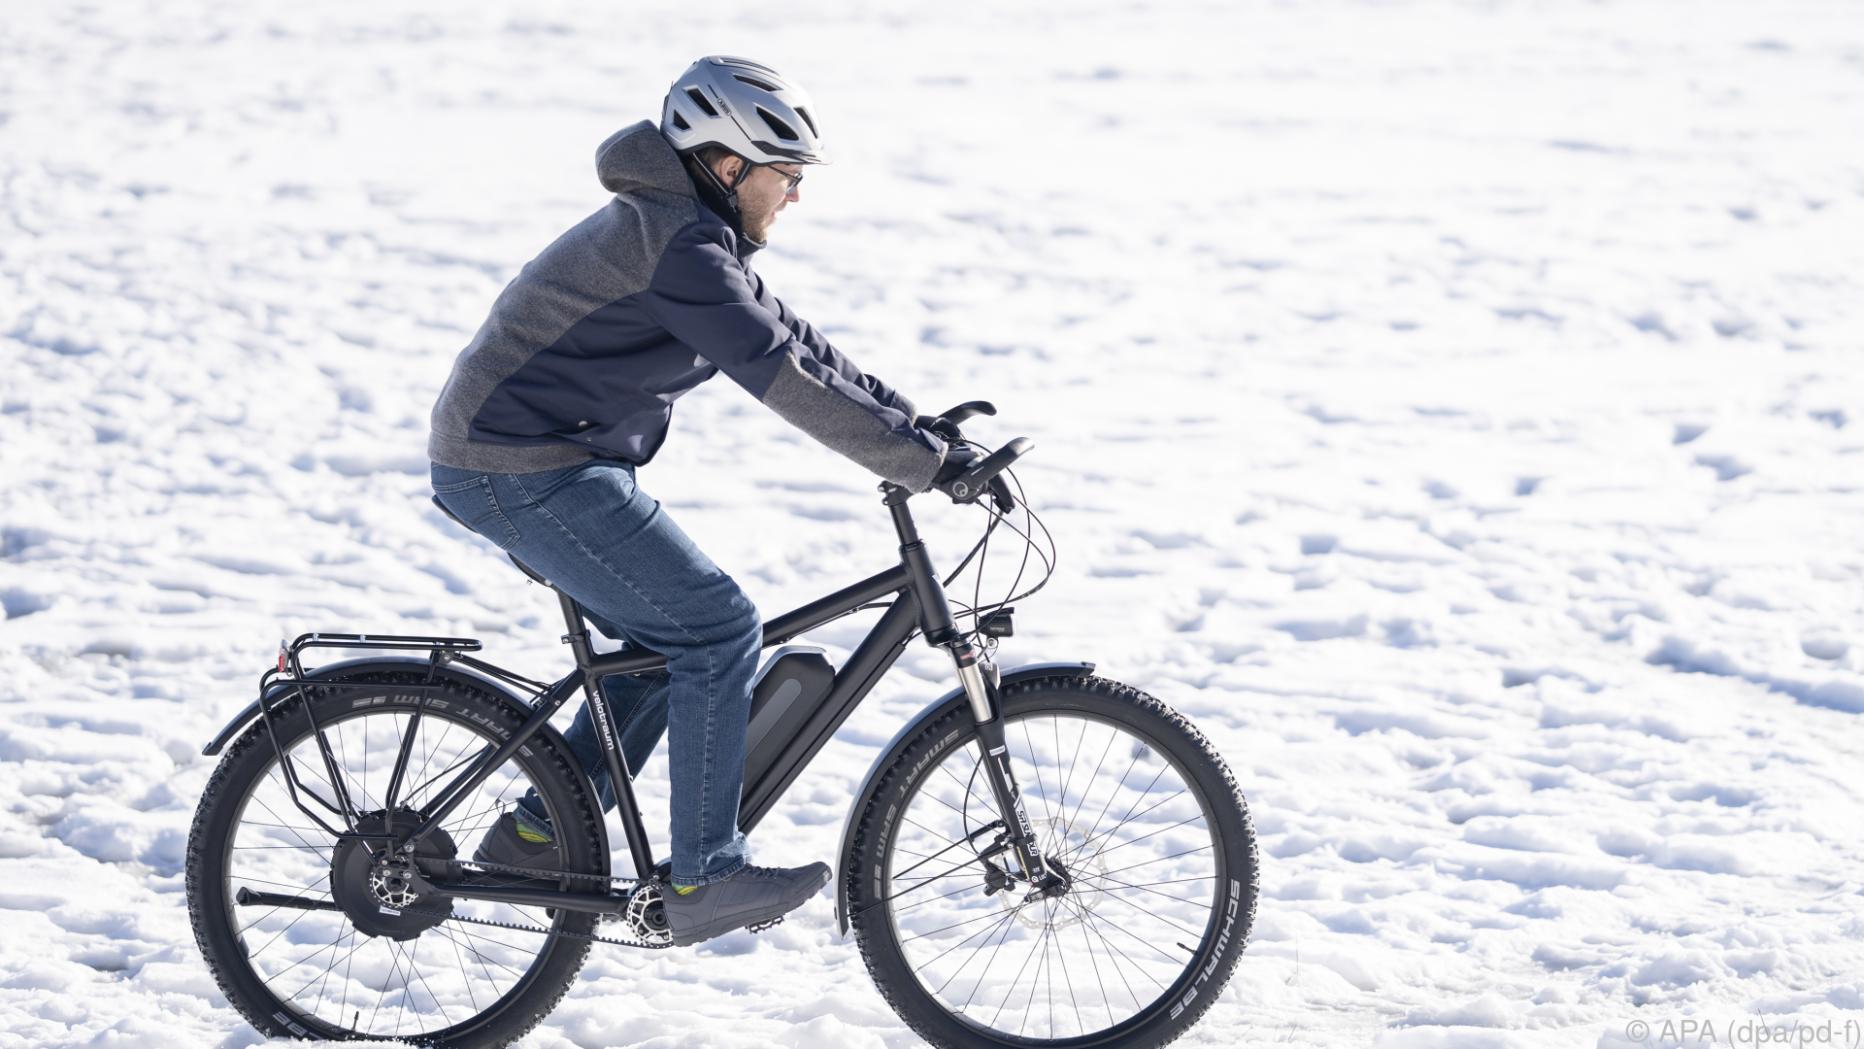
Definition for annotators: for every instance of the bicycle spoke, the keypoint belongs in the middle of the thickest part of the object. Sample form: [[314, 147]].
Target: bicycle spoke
[[465, 977], [325, 975], [1110, 831], [1147, 863], [275, 910], [935, 899], [324, 984], [438, 1004], [1036, 764], [333, 946], [477, 938], [969, 792], [1142, 940], [1145, 886], [1121, 822], [1041, 945], [394, 952], [1010, 963], [288, 926], [1018, 978], [1112, 894], [930, 831], [319, 973], [401, 759], [1114, 954], [1068, 978], [1092, 776], [1009, 922], [428, 783], [306, 843], [362, 786], [1105, 999], [987, 931], [953, 925]]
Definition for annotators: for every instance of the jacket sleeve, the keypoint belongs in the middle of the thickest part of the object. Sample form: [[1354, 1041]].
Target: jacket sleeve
[[818, 345], [709, 300]]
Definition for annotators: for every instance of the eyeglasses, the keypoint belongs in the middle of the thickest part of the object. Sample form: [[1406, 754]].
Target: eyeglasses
[[792, 180]]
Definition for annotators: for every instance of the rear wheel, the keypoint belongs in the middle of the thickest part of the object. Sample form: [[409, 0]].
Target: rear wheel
[[378, 958], [1137, 811]]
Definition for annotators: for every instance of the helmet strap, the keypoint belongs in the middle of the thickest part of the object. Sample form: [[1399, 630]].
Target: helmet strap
[[722, 195]]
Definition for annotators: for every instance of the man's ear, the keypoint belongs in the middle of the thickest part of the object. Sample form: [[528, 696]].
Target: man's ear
[[728, 169]]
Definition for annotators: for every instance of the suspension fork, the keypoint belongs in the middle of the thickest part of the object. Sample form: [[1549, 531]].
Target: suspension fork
[[935, 622], [979, 678]]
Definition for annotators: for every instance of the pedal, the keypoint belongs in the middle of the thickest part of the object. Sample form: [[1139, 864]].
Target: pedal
[[761, 926]]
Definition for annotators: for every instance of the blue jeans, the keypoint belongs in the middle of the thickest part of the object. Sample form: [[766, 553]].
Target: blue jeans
[[639, 578]]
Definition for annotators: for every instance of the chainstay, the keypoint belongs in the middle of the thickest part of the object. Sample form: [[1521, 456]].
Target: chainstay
[[541, 873], [545, 873], [514, 926]]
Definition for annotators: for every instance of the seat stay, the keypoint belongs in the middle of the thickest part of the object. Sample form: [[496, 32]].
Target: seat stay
[[468, 779]]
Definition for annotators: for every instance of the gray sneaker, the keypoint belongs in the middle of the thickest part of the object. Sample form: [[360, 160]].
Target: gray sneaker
[[520, 840], [754, 896]]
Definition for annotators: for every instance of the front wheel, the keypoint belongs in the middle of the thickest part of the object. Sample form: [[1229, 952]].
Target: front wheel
[[1145, 826]]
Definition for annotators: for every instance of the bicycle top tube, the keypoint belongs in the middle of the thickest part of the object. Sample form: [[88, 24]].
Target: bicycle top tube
[[629, 660]]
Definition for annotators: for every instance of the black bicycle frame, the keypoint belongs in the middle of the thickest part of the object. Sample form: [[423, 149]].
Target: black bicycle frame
[[919, 606]]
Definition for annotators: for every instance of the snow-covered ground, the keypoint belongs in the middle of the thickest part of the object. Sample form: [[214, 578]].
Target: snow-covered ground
[[1458, 410]]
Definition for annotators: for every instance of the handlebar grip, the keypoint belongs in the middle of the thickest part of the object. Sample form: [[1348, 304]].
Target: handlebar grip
[[975, 481]]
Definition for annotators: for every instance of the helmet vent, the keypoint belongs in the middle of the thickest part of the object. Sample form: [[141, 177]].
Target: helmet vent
[[754, 82], [784, 131], [701, 101], [807, 119], [679, 121]]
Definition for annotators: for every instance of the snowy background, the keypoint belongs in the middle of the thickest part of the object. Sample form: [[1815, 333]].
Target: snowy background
[[1458, 409]]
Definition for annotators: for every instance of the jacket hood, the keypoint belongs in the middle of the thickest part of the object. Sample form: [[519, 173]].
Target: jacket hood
[[639, 157]]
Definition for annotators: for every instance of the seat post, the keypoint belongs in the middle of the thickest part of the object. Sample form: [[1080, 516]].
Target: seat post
[[577, 631]]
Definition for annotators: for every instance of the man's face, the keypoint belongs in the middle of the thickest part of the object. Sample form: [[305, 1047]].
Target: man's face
[[762, 194]]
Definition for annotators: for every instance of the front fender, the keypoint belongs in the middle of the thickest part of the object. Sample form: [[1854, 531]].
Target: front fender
[[362, 664], [891, 751]]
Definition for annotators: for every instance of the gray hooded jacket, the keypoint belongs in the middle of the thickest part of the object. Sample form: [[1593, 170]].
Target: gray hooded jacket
[[586, 350]]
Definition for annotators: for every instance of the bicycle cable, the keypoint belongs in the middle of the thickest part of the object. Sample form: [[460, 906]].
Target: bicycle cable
[[977, 609]]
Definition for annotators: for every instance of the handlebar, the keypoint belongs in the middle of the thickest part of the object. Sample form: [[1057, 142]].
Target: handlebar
[[982, 476]]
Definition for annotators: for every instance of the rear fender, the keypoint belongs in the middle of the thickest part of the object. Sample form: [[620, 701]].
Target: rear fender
[[362, 665]]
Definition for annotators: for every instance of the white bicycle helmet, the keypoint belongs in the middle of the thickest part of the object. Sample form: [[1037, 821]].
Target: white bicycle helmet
[[745, 107]]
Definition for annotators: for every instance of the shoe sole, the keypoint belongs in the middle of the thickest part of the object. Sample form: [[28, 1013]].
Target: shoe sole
[[755, 921]]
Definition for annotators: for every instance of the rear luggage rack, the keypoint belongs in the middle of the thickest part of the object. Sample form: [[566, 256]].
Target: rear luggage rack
[[289, 676]]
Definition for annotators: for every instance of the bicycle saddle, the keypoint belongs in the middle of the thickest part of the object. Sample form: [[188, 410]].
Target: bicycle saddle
[[522, 567]]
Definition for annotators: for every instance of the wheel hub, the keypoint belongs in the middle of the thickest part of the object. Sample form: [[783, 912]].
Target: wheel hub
[[1062, 880], [375, 886]]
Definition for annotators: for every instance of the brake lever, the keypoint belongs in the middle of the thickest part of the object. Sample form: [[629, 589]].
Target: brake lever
[[1000, 494], [966, 410]]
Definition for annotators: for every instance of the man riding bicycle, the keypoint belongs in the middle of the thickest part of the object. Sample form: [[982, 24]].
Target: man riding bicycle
[[568, 387]]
